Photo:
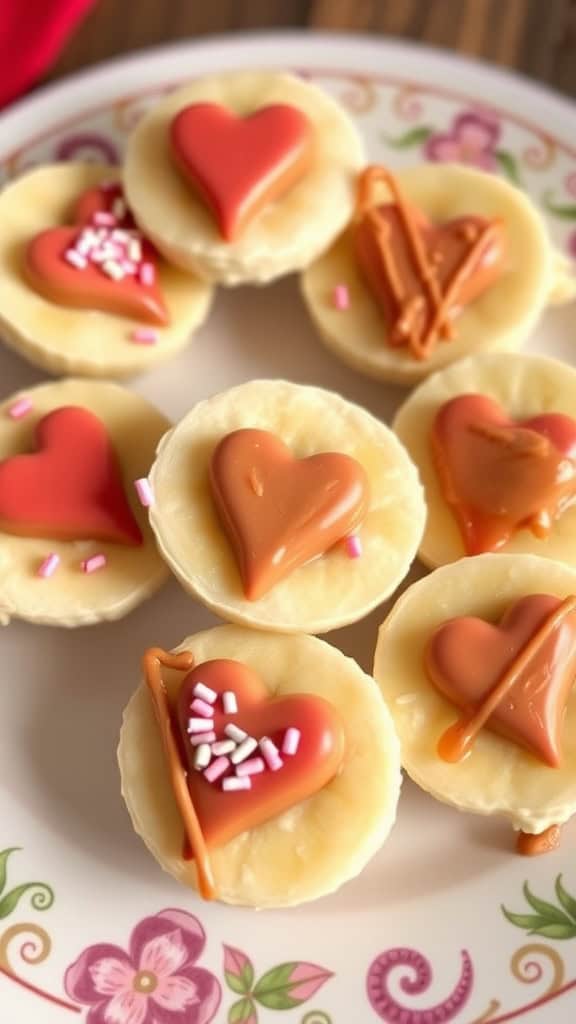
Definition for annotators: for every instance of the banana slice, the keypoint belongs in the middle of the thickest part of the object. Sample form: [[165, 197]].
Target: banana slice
[[61, 339], [72, 597], [498, 777], [501, 318], [329, 591], [316, 846], [525, 386], [288, 233]]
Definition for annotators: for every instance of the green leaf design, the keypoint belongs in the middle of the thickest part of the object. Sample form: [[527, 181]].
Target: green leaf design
[[413, 137], [567, 901], [528, 921], [289, 985], [237, 983], [556, 931], [42, 897], [508, 165], [242, 1012], [4, 858], [566, 211], [547, 910]]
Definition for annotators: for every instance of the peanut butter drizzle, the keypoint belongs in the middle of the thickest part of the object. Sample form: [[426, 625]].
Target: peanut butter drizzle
[[152, 661], [532, 845], [456, 742], [440, 325]]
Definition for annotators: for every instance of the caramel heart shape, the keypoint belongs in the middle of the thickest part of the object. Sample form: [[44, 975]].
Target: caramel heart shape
[[499, 475], [238, 165], [71, 488], [87, 287], [224, 815], [467, 657], [279, 511], [422, 275]]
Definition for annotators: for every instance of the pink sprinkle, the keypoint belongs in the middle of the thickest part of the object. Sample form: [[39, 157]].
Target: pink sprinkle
[[201, 707], [229, 702], [104, 220], [341, 296], [49, 565], [252, 767], [144, 335], [200, 725], [75, 259], [20, 408], [233, 784], [291, 741], [128, 266], [353, 546], [144, 492], [147, 274], [216, 769], [271, 754], [94, 563], [202, 737]]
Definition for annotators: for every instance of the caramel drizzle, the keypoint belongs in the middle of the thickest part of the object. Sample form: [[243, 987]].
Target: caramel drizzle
[[534, 845], [153, 660], [440, 324], [456, 742]]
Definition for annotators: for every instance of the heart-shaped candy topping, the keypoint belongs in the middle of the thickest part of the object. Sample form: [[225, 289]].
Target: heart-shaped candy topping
[[250, 755], [278, 511], [521, 671], [238, 165], [422, 274], [500, 476], [71, 487], [103, 263]]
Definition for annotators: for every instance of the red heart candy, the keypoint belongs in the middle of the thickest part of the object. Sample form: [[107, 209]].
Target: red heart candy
[[71, 488], [466, 657], [223, 815], [499, 475], [240, 164]]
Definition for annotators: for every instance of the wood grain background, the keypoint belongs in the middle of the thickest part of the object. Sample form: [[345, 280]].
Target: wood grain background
[[537, 37]]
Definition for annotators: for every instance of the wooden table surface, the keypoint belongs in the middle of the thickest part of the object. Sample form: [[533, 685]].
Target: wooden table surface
[[537, 37]]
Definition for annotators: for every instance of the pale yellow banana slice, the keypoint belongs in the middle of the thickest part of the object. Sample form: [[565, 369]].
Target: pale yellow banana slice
[[316, 846], [285, 236], [498, 777], [71, 597], [525, 385], [327, 592], [62, 339], [501, 318]]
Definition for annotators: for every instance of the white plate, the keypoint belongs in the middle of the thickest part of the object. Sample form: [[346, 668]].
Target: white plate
[[433, 896]]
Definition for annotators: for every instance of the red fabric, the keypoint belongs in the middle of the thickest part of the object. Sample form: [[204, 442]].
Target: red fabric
[[32, 32]]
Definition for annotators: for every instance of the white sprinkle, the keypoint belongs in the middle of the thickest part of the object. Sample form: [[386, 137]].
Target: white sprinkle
[[243, 751], [20, 408], [144, 335], [144, 492], [217, 769], [49, 565], [120, 235], [223, 747], [271, 754], [119, 208], [202, 708], [75, 259], [135, 250], [147, 274], [201, 737], [205, 693], [254, 766], [202, 756], [405, 698], [200, 725], [291, 741], [102, 219], [229, 702], [235, 733], [113, 269], [233, 784], [94, 563], [86, 242]]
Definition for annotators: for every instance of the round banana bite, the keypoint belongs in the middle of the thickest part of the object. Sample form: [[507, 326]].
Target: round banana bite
[[81, 289], [286, 507], [243, 177], [439, 262], [261, 769], [477, 663], [494, 439], [75, 546]]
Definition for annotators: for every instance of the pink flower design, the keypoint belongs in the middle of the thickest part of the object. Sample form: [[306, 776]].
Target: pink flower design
[[472, 139], [155, 982]]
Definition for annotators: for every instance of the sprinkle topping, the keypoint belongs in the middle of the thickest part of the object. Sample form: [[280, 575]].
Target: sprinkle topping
[[48, 567], [94, 563], [20, 408]]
